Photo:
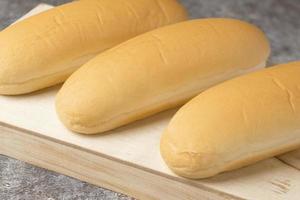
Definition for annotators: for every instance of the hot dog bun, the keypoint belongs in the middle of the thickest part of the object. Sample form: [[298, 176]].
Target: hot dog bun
[[45, 49], [158, 70], [236, 123]]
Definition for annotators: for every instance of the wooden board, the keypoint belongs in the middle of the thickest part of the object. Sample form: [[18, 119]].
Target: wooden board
[[127, 160]]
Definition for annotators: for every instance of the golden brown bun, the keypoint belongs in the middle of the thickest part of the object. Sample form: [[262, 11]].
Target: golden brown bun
[[236, 123], [45, 49], [158, 70]]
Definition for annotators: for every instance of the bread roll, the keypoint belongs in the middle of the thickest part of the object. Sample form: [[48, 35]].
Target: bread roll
[[236, 123], [45, 49], [158, 70]]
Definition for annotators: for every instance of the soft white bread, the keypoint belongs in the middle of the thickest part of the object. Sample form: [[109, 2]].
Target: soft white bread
[[45, 49], [236, 123], [158, 70]]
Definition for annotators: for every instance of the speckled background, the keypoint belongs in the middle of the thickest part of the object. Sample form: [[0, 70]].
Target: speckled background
[[280, 19]]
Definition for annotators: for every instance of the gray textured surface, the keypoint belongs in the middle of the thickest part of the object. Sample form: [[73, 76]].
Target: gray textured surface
[[278, 18]]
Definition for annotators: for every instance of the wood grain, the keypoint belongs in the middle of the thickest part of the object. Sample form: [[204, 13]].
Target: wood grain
[[128, 159]]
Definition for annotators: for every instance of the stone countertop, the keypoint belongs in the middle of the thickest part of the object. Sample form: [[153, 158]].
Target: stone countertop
[[279, 19]]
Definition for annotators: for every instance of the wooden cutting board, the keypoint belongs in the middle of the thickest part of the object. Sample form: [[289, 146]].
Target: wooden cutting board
[[127, 160]]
